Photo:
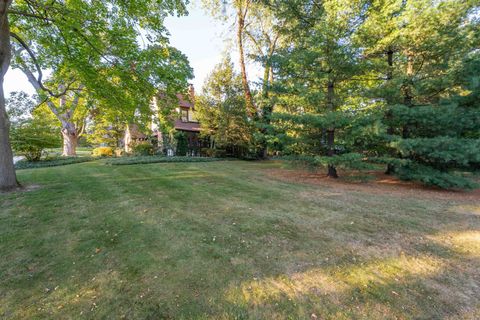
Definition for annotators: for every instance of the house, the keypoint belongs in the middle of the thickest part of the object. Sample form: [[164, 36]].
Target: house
[[133, 136], [184, 121], [188, 124]]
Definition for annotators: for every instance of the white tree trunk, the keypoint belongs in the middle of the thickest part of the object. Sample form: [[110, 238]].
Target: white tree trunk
[[70, 139], [127, 140]]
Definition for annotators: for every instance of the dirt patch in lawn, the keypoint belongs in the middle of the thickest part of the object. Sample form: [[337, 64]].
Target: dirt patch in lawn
[[372, 182]]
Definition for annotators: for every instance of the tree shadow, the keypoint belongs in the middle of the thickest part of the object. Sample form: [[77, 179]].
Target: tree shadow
[[261, 250]]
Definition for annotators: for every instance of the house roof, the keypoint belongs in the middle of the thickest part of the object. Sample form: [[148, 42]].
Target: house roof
[[187, 126], [182, 102]]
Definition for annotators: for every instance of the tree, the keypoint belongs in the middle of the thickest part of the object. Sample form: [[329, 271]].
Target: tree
[[242, 9], [69, 108], [106, 128], [19, 107], [432, 44], [99, 42], [221, 110], [31, 137], [316, 68], [32, 130]]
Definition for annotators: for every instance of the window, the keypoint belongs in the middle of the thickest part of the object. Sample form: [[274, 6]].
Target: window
[[184, 115]]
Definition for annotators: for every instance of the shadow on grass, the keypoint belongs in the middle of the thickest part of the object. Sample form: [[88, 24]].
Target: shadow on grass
[[213, 241]]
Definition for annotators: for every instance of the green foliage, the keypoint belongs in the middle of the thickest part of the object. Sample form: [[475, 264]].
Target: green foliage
[[106, 128], [51, 162], [31, 137], [96, 45], [440, 151], [392, 81], [19, 107], [181, 143], [433, 177], [435, 120], [102, 152], [221, 111], [158, 159], [142, 149]]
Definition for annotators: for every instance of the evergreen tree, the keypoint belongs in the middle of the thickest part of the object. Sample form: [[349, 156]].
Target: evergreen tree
[[419, 48], [316, 73]]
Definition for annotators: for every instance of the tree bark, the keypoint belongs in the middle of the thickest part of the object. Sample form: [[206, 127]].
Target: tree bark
[[390, 130], [69, 130], [8, 179], [332, 171], [408, 91], [250, 106], [70, 139], [127, 140]]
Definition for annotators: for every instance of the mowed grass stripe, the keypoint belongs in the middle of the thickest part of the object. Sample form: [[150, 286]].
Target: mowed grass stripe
[[225, 240]]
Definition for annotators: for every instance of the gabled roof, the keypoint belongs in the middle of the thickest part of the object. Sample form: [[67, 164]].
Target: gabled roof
[[182, 102]]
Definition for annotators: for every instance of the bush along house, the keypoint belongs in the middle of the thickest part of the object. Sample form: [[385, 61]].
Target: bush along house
[[185, 140]]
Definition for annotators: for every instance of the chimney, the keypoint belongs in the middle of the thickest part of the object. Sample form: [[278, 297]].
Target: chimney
[[191, 93]]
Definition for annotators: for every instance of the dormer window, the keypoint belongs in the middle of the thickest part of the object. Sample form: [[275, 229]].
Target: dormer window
[[184, 115]]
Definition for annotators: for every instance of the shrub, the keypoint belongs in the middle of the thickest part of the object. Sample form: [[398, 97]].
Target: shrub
[[207, 152], [219, 153], [102, 152], [142, 149], [53, 162], [182, 143], [119, 152], [31, 138]]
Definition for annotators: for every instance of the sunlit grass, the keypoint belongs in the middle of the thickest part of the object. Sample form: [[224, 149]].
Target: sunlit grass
[[225, 240]]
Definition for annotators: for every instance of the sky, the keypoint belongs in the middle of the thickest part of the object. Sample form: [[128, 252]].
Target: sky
[[199, 36]]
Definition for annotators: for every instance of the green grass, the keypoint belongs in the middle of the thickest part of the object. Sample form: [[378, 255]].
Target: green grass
[[128, 160], [81, 152], [225, 240]]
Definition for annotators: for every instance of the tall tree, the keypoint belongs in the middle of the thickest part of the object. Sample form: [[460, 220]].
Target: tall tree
[[428, 46], [221, 110], [317, 65], [8, 178], [241, 9]]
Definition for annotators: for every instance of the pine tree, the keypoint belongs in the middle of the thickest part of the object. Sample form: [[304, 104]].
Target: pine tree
[[316, 74]]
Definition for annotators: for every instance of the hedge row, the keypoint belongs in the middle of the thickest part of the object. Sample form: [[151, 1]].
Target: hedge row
[[24, 164]]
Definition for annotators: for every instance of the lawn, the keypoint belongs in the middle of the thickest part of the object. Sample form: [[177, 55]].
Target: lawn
[[232, 240]]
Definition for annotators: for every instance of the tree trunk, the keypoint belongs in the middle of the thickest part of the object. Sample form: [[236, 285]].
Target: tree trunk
[[332, 171], [390, 130], [408, 91], [266, 80], [70, 139], [246, 88], [8, 179], [267, 111], [127, 140]]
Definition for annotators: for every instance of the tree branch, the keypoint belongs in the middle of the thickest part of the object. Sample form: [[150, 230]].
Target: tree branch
[[38, 80], [31, 15]]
